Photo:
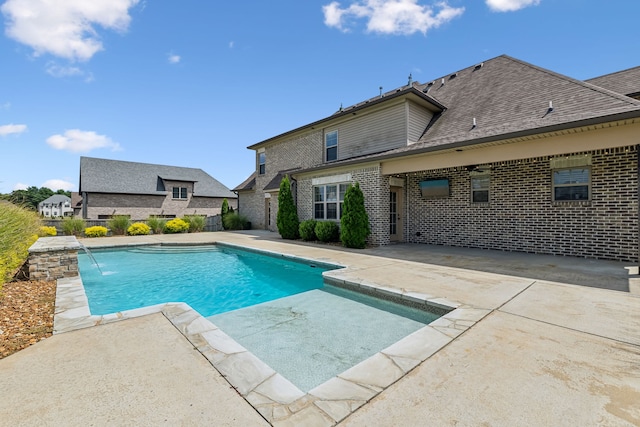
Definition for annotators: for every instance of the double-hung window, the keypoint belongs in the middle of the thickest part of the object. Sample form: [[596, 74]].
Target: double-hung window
[[328, 201], [331, 146], [180, 193], [571, 184], [262, 161], [480, 188]]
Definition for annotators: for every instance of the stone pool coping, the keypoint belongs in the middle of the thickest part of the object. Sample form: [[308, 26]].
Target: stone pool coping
[[279, 401]]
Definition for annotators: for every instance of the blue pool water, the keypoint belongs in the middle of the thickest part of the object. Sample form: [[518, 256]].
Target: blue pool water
[[210, 279]]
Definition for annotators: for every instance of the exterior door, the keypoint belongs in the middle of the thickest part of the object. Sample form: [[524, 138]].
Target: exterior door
[[267, 213], [395, 215]]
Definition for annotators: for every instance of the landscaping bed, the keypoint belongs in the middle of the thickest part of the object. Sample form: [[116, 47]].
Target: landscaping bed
[[26, 314]]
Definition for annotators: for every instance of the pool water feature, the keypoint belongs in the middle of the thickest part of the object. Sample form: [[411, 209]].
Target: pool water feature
[[210, 279]]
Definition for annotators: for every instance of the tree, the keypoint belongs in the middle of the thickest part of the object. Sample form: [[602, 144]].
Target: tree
[[224, 210], [287, 218], [355, 221]]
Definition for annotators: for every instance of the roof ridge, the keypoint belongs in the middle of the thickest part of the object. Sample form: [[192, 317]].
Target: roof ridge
[[626, 70], [595, 88]]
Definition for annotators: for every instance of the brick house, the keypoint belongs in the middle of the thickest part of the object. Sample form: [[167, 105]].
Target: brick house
[[501, 155], [140, 190]]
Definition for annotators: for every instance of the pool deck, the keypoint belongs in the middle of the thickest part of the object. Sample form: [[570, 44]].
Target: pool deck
[[548, 341]]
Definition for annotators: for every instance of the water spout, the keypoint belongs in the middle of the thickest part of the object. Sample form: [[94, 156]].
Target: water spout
[[91, 257]]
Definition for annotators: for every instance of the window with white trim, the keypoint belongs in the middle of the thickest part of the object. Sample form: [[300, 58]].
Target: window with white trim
[[328, 201], [180, 193], [571, 184], [480, 188], [262, 163], [331, 146]]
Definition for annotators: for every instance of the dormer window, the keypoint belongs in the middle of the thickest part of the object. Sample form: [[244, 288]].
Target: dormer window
[[331, 145], [262, 159], [180, 193]]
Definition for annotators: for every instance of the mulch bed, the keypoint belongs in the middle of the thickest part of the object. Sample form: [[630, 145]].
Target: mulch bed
[[26, 314]]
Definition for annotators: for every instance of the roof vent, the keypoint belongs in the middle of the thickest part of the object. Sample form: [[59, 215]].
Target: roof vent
[[474, 123], [442, 82], [380, 91], [477, 67], [453, 76], [550, 109]]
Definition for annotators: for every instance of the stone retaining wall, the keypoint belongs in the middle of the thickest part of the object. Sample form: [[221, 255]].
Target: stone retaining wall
[[52, 258]]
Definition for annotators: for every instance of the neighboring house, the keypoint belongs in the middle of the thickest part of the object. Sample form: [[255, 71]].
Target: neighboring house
[[55, 206], [141, 190], [501, 155]]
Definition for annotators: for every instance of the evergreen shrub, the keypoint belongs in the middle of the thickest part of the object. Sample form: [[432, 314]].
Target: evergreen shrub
[[307, 230], [287, 218], [355, 221], [327, 231]]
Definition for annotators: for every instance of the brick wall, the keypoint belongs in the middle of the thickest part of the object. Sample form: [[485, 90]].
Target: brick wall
[[521, 215]]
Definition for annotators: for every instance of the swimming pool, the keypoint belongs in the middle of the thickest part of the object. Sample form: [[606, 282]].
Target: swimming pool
[[211, 279]]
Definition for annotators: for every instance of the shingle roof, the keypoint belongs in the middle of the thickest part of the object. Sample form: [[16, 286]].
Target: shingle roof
[[274, 184], [247, 184], [116, 176], [507, 98], [626, 82], [56, 199]]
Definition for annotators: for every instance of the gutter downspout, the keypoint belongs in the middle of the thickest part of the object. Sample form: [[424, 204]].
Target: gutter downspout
[[85, 202]]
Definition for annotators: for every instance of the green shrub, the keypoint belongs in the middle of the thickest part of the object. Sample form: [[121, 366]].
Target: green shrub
[[327, 231], [224, 210], [156, 224], [307, 230], [176, 225], [355, 221], [119, 224], [287, 217], [73, 226], [196, 223], [19, 229], [95, 231], [48, 231], [138, 229], [235, 221]]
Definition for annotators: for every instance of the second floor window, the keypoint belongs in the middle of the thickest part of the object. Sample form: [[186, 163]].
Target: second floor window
[[331, 145], [262, 158], [180, 192]]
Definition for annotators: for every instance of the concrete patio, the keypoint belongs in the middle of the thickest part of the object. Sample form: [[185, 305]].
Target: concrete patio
[[558, 343]]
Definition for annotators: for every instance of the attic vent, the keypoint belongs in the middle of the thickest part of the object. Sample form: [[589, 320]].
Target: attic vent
[[453, 76], [477, 67], [442, 81]]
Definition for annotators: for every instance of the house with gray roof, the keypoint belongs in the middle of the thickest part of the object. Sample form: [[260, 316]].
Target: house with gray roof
[[140, 190], [55, 206], [500, 155]]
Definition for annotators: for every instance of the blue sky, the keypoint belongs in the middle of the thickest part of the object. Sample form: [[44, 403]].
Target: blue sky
[[193, 83]]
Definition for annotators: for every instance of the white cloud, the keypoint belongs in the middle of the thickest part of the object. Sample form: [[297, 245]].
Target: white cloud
[[78, 141], [57, 70], [11, 129], [173, 59], [67, 28], [510, 5], [20, 186], [58, 184], [390, 16], [231, 44]]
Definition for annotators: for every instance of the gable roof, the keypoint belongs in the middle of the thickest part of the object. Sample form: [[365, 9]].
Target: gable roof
[[626, 82], [116, 176], [247, 184], [56, 199], [508, 98]]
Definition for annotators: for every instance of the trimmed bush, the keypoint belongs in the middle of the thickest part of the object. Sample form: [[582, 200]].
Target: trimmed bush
[[287, 218], [119, 224], [307, 230], [73, 226], [176, 225], [224, 210], [138, 229], [156, 224], [235, 221], [327, 231], [196, 223], [19, 229], [48, 231], [95, 231], [355, 221]]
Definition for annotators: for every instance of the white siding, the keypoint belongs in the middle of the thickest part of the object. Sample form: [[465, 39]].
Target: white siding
[[417, 121]]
